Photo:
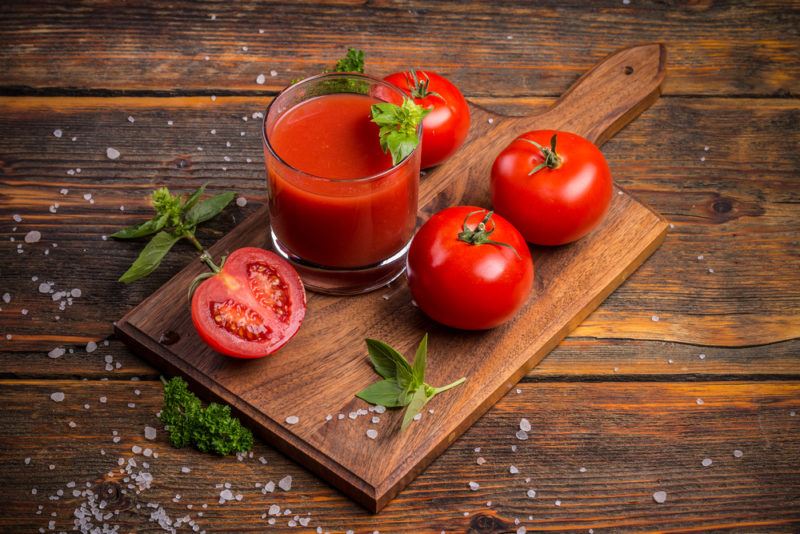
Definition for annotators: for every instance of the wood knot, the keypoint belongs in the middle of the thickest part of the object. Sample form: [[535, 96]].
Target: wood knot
[[169, 337], [183, 162], [110, 491], [628, 70], [722, 205], [484, 523]]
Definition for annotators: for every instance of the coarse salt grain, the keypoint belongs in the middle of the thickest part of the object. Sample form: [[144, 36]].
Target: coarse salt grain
[[131, 119], [522, 435], [241, 202], [531, 493], [112, 153], [292, 420], [474, 486], [273, 73], [260, 79], [737, 453], [149, 433], [56, 352], [285, 483], [58, 396], [525, 425], [91, 347], [660, 497], [707, 462], [33, 236], [58, 133], [372, 433], [699, 401], [513, 470]]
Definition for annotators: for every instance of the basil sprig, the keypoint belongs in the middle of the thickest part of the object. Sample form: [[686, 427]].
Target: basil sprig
[[176, 218], [403, 384], [398, 127]]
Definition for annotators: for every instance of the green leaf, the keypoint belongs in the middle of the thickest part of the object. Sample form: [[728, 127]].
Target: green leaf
[[192, 200], [386, 392], [150, 257], [386, 360], [352, 62], [414, 407], [398, 127], [209, 208], [141, 230], [420, 361]]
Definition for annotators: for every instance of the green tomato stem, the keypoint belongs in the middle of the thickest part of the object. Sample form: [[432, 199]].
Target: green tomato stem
[[450, 386]]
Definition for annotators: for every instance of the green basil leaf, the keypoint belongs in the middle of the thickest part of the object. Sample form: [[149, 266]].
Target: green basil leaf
[[414, 407], [385, 392], [385, 359], [150, 257], [209, 208], [141, 230], [192, 200], [420, 362]]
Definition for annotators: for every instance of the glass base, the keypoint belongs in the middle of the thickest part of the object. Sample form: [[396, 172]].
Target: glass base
[[346, 280]]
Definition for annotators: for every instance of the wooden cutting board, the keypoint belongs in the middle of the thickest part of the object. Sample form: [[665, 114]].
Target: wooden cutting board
[[320, 370]]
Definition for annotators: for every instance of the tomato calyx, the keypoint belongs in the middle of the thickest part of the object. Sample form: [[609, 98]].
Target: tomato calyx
[[551, 158], [419, 85], [480, 235], [206, 258]]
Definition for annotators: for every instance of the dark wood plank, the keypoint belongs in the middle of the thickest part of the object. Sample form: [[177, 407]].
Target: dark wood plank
[[520, 49], [633, 439], [571, 282], [728, 203]]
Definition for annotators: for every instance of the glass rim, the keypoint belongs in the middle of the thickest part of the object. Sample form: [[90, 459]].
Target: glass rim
[[335, 75]]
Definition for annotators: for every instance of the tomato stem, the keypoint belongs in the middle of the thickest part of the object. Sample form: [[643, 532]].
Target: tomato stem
[[480, 234], [450, 386], [419, 86], [551, 158], [205, 257]]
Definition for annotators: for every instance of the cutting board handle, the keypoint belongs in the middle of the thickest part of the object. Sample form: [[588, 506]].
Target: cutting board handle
[[610, 95]]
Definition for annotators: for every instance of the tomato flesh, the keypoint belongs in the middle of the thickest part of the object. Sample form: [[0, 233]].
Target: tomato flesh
[[467, 286], [252, 307]]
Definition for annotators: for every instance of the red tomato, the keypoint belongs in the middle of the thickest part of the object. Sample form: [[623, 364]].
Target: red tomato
[[252, 307], [445, 127], [551, 196], [469, 269]]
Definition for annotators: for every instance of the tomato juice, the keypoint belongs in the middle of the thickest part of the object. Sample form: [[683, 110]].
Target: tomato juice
[[335, 199]]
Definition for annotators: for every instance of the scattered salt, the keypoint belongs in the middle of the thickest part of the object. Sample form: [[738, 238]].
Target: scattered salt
[[474, 486], [33, 236], [149, 433], [17, 218], [292, 420], [260, 79], [58, 396], [655, 318], [699, 401], [513, 470], [707, 462], [372, 433], [273, 73], [131, 119], [481, 460], [285, 483], [522, 435], [660, 497], [56, 353], [112, 153], [241, 202], [524, 425], [91, 347], [737, 453], [58, 133], [701, 356]]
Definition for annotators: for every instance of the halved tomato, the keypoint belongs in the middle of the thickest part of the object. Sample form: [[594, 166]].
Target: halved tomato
[[252, 307]]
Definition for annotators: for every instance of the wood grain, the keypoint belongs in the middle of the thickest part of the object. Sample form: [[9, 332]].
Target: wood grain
[[632, 438], [571, 282], [720, 206], [506, 49]]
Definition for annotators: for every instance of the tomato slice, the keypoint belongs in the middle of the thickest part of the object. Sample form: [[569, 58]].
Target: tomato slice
[[252, 307]]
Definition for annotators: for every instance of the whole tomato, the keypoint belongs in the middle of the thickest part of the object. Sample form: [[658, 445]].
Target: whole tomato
[[445, 127], [554, 187], [469, 269]]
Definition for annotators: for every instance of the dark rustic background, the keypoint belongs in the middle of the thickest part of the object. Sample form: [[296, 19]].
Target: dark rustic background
[[714, 315]]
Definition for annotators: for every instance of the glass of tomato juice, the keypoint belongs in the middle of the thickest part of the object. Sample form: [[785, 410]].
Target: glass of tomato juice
[[340, 211]]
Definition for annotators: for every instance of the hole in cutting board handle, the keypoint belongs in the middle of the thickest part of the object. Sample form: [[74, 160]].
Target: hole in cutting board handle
[[628, 70]]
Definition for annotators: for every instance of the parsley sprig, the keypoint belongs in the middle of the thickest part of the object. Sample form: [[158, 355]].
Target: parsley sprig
[[403, 384], [210, 429], [176, 218], [398, 127], [353, 61]]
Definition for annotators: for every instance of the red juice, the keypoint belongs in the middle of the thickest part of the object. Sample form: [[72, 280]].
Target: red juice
[[335, 198]]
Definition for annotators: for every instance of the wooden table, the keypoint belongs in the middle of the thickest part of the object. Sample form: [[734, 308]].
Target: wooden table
[[695, 357]]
